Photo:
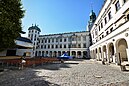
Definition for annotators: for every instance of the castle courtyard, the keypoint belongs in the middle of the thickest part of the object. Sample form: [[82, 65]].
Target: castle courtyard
[[78, 72]]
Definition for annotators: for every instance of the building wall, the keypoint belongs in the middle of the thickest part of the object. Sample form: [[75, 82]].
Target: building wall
[[54, 45], [110, 40]]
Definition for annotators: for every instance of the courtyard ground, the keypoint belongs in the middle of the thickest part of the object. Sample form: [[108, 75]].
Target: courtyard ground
[[71, 73]]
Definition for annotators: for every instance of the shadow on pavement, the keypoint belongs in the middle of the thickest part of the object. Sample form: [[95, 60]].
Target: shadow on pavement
[[25, 77], [56, 66]]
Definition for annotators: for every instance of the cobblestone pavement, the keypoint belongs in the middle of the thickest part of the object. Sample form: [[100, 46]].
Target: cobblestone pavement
[[70, 73]]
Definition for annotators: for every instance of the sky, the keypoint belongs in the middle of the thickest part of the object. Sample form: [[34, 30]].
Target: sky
[[58, 16]]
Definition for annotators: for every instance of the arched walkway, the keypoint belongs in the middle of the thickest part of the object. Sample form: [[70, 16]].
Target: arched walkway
[[121, 45], [73, 54], [110, 52], [104, 53], [59, 53], [43, 53], [79, 54], [84, 54]]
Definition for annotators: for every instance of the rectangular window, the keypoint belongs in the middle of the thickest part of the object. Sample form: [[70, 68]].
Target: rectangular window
[[111, 29], [107, 33], [56, 46], [56, 39], [101, 25], [117, 5], [48, 40], [109, 15], [52, 46], [99, 28], [124, 1], [64, 46], [69, 45], [84, 45], [64, 39], [102, 36], [60, 39], [105, 20], [60, 46], [53, 40]]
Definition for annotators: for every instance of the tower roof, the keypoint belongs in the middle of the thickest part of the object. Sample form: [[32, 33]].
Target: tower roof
[[34, 27], [92, 13]]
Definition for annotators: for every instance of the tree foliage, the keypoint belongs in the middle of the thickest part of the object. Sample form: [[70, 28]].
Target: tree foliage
[[11, 13]]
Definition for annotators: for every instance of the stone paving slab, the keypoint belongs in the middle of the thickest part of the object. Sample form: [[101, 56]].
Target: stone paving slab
[[70, 73]]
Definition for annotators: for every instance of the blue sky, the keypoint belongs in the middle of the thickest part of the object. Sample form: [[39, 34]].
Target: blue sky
[[58, 16]]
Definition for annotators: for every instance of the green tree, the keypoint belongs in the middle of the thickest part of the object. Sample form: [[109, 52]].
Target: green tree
[[11, 13]]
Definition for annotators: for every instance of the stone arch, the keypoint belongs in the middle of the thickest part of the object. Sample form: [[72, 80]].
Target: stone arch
[[121, 46], [73, 54], [111, 51], [104, 53], [84, 54], [100, 53], [59, 53], [43, 53], [50, 53], [39, 53]]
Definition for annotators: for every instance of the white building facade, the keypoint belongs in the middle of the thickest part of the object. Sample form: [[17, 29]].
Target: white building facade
[[75, 44], [110, 32]]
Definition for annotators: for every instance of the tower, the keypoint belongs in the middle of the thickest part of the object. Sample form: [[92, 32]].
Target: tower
[[91, 21], [33, 34]]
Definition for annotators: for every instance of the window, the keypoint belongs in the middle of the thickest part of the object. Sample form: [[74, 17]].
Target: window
[[44, 46], [96, 32], [107, 33], [60, 39], [48, 46], [101, 25], [41, 46], [56, 46], [45, 40], [128, 16], [48, 40], [56, 39], [111, 29], [64, 46], [64, 39], [102, 36], [105, 20], [109, 15], [42, 40], [53, 40], [52, 46], [69, 46], [117, 5], [124, 1], [35, 31], [60, 46], [84, 45], [99, 28], [29, 35]]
